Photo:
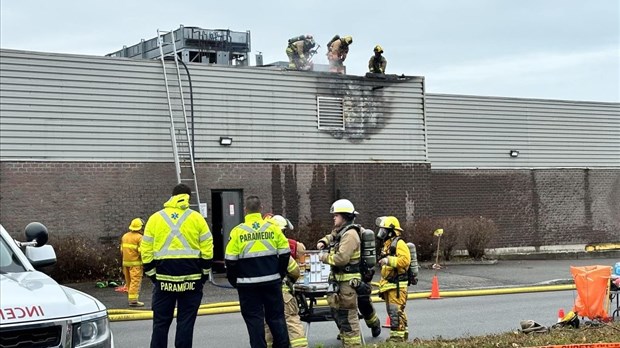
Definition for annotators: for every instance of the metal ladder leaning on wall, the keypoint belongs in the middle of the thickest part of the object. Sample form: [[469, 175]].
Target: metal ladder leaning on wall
[[179, 130]]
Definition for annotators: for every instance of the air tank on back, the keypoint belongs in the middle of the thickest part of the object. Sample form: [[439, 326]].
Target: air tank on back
[[368, 248]]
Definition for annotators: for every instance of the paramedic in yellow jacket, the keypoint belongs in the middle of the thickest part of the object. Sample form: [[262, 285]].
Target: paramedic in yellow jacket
[[344, 260], [298, 51], [337, 50], [177, 252], [257, 258], [296, 332], [394, 262], [132, 263]]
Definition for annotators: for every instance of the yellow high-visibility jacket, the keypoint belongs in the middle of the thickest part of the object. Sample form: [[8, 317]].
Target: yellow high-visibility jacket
[[130, 249], [257, 253], [396, 269], [177, 245]]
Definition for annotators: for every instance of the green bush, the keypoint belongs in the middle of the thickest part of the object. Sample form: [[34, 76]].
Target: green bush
[[478, 234], [81, 259]]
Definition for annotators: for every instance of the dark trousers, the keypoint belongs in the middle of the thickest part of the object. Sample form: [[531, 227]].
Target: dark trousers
[[260, 304], [364, 304], [187, 303]]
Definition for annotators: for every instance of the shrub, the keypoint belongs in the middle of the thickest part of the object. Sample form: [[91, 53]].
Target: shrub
[[81, 259], [420, 233], [479, 232], [452, 230]]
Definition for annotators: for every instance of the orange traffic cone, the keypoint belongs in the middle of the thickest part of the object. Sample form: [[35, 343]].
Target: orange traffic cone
[[560, 314], [388, 323], [435, 289]]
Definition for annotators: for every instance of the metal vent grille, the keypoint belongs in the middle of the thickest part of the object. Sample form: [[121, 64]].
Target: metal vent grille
[[330, 113]]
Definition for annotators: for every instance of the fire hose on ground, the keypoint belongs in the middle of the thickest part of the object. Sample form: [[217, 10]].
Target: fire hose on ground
[[233, 306]]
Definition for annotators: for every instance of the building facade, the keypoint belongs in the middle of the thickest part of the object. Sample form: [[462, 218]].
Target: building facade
[[85, 147]]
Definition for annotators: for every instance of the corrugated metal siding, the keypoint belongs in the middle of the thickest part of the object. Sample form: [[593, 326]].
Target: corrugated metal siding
[[479, 132], [68, 107]]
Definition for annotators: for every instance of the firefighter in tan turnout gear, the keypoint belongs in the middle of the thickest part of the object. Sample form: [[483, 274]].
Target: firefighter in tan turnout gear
[[337, 50], [294, 326], [344, 259], [395, 263], [299, 52]]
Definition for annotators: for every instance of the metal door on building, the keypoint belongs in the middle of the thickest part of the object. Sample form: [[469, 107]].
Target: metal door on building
[[227, 213]]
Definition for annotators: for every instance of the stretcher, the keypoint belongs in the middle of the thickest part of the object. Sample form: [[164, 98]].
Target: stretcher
[[307, 297]]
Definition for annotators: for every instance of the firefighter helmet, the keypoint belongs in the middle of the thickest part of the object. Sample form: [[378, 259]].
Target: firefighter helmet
[[378, 49], [282, 222], [136, 224], [388, 222], [343, 206]]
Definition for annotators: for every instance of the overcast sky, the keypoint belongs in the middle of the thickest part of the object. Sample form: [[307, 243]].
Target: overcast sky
[[551, 49]]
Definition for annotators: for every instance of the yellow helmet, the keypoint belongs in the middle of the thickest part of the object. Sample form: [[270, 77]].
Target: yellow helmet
[[348, 39], [136, 224], [342, 206], [378, 49], [282, 222], [390, 222]]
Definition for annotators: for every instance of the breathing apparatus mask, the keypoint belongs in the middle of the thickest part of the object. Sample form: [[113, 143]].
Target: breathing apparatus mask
[[384, 233]]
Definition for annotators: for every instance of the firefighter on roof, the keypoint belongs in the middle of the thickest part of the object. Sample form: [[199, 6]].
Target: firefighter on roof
[[337, 50], [298, 51], [377, 62]]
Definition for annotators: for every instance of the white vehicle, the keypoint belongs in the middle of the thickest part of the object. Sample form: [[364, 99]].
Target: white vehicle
[[35, 311]]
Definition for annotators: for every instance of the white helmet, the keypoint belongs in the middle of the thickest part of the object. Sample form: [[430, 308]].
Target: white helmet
[[342, 206], [282, 222]]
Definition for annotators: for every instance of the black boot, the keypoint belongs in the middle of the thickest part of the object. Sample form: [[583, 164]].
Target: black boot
[[376, 330]]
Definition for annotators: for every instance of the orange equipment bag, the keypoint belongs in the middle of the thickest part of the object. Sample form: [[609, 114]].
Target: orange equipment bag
[[592, 283]]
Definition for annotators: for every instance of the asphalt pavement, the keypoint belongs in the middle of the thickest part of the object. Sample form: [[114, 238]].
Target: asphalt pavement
[[457, 275]]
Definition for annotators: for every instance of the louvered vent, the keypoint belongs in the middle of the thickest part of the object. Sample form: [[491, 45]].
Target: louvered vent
[[330, 113]]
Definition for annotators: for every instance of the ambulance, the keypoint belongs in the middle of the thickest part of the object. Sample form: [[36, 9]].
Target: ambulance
[[35, 311]]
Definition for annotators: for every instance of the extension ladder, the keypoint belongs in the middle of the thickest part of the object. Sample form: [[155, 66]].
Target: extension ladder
[[179, 130]]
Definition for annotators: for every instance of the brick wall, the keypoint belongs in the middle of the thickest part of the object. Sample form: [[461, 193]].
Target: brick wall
[[531, 207], [534, 207], [100, 199]]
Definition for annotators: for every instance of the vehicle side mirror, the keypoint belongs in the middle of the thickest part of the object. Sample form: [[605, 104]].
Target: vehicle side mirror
[[41, 256], [36, 231]]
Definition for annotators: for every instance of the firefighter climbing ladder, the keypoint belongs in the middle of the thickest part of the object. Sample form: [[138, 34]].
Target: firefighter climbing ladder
[[179, 130]]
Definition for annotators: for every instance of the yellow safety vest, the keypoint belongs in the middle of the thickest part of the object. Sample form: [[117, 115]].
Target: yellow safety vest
[[255, 246], [177, 245]]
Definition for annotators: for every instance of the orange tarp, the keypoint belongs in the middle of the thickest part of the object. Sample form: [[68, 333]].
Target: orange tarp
[[592, 283]]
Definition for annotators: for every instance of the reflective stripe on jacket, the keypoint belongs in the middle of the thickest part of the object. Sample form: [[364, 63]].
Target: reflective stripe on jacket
[[130, 249], [396, 269], [345, 254], [293, 271], [177, 245], [256, 252]]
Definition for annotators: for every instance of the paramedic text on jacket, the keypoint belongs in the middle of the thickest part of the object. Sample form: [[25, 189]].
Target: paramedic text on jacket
[[257, 258], [177, 251]]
